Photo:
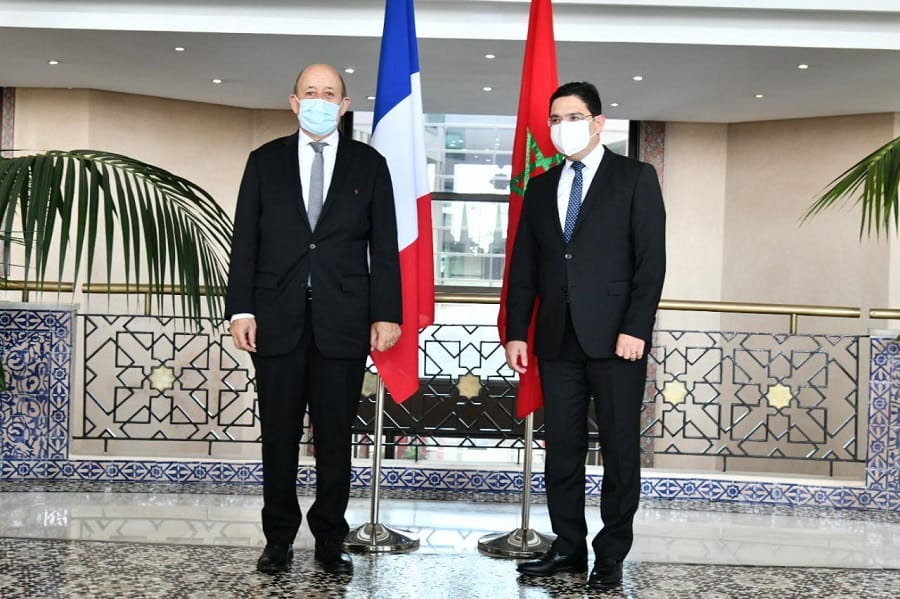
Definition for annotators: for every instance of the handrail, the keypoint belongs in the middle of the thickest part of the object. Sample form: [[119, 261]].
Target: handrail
[[886, 313], [489, 296], [792, 310], [28, 286]]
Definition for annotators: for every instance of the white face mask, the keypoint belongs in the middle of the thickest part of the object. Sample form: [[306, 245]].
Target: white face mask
[[571, 137]]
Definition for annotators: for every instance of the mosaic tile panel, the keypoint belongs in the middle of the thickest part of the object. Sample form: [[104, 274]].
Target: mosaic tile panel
[[883, 463], [36, 351], [36, 344], [653, 145]]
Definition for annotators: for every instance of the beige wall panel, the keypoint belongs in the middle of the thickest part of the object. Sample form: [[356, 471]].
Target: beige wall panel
[[51, 119], [694, 193], [270, 124], [774, 171], [204, 143]]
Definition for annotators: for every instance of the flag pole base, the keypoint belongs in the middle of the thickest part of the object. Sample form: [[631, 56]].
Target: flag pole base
[[378, 538], [518, 543]]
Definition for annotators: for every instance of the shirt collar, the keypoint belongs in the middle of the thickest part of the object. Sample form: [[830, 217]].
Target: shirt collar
[[592, 160], [332, 139]]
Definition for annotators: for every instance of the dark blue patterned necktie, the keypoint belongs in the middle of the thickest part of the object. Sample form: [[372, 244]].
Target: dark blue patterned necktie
[[574, 201]]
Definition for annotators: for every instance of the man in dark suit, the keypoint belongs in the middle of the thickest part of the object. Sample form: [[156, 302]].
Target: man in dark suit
[[314, 285], [590, 248]]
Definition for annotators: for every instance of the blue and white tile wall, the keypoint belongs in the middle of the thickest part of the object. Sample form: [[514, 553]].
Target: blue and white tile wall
[[36, 347]]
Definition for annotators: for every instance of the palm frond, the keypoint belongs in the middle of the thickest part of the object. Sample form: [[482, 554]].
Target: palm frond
[[874, 182], [150, 221]]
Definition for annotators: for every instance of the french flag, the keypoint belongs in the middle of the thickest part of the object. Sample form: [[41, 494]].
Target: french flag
[[398, 133]]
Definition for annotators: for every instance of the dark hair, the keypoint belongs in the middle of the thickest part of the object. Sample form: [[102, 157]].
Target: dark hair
[[585, 91]]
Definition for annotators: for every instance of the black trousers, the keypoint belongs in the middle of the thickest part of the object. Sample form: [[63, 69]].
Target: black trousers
[[617, 386], [330, 388]]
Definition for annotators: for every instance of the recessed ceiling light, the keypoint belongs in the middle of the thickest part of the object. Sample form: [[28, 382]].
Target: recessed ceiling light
[[52, 61], [802, 67], [638, 77], [759, 96], [487, 88], [370, 97], [217, 81], [350, 70], [614, 104], [490, 56], [179, 49]]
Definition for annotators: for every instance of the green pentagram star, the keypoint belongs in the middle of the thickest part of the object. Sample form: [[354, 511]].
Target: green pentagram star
[[534, 159]]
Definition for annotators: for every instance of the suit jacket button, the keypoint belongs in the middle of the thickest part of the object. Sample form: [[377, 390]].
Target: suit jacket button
[[312, 246], [568, 256]]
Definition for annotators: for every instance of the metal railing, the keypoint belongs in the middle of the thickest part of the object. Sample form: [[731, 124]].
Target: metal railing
[[714, 394]]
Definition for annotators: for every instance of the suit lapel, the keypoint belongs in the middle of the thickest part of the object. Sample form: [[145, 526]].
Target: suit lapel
[[552, 177], [343, 166], [597, 189], [292, 168]]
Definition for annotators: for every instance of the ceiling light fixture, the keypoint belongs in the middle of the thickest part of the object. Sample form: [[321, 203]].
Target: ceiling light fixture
[[350, 70], [487, 88], [179, 49], [759, 96], [490, 56], [638, 77], [53, 61], [217, 81], [614, 104], [802, 67], [370, 97]]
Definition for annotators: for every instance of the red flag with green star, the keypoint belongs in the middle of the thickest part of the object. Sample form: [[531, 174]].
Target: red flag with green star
[[533, 153]]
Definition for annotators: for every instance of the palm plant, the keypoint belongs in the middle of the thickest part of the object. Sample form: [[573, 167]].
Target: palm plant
[[874, 180], [170, 232]]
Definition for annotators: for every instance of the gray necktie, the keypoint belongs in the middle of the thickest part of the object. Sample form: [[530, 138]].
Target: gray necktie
[[316, 184]]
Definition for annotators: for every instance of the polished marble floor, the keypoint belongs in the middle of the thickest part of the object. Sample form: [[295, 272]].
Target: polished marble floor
[[83, 540]]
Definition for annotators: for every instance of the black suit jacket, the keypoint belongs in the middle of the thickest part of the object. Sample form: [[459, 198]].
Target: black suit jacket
[[352, 254], [611, 272]]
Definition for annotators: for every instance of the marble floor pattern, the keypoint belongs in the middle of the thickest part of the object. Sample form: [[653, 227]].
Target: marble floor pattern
[[94, 540]]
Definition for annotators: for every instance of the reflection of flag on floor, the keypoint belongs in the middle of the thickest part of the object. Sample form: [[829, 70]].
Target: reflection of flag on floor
[[399, 134], [533, 153]]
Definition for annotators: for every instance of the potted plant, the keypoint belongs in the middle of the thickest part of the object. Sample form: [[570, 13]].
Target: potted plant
[[63, 205]]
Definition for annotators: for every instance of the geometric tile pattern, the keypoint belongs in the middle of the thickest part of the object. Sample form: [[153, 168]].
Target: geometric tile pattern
[[756, 395], [146, 378], [883, 464], [60, 568], [36, 351], [40, 386]]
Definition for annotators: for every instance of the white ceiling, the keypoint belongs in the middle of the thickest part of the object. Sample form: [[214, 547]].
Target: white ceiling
[[701, 61]]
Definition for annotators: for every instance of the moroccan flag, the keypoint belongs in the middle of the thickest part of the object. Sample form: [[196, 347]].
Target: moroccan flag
[[533, 153], [398, 133]]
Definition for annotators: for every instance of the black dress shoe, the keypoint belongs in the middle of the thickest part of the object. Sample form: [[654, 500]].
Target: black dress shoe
[[606, 574], [553, 563], [332, 557], [276, 557]]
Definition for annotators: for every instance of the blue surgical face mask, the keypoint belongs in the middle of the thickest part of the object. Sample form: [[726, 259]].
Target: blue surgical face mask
[[319, 117]]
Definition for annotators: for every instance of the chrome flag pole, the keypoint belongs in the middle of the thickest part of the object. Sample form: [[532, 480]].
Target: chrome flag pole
[[374, 537], [521, 542]]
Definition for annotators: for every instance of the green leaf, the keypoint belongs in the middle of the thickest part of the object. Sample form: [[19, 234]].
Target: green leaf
[[84, 202], [874, 182]]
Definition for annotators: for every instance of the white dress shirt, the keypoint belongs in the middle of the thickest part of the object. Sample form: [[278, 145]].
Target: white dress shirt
[[305, 157], [591, 164]]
